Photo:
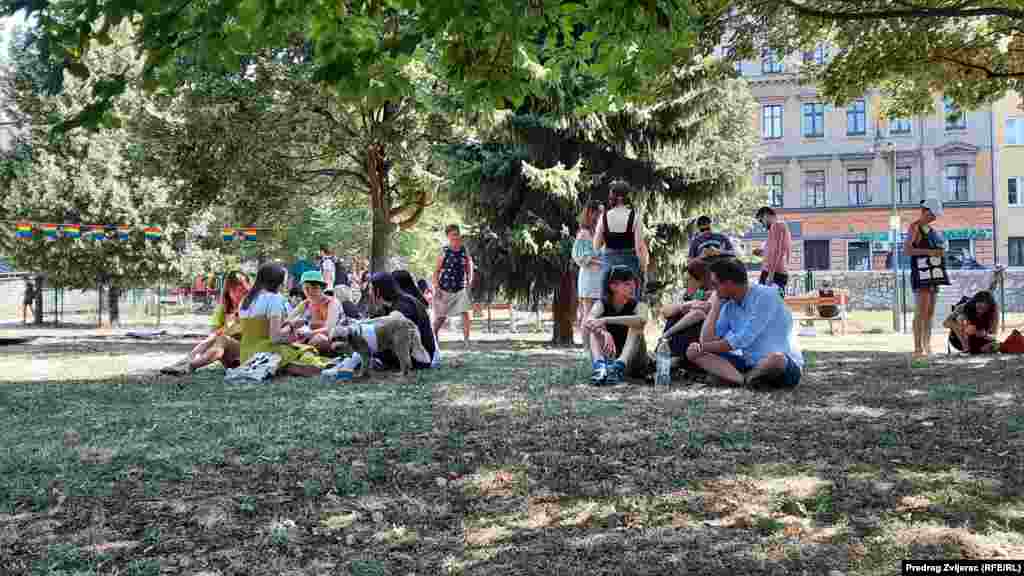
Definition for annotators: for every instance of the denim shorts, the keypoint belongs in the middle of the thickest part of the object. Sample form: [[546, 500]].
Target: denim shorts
[[790, 376]]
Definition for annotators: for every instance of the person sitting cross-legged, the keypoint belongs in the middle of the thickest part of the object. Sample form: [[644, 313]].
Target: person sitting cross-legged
[[747, 337], [616, 329], [683, 321]]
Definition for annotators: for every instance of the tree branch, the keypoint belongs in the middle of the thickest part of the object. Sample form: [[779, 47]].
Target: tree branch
[[956, 11]]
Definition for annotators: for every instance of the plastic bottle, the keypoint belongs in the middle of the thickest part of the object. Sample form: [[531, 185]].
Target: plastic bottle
[[663, 361]]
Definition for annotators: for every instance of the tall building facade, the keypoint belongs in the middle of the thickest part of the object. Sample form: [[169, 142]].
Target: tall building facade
[[834, 174], [1010, 180]]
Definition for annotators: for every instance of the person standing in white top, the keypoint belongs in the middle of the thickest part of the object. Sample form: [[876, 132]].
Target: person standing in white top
[[620, 232]]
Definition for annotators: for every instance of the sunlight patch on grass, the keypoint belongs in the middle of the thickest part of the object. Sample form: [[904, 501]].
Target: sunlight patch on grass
[[999, 400], [495, 482], [847, 410], [959, 542], [481, 401], [396, 536]]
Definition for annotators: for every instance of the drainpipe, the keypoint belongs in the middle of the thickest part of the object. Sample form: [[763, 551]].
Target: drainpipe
[[995, 191]]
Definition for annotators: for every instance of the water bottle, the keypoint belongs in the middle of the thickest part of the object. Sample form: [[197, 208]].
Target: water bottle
[[663, 361]]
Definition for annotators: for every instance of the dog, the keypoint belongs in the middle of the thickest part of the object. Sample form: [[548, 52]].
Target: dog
[[393, 332]]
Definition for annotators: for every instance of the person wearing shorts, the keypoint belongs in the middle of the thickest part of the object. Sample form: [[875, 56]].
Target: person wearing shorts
[[747, 338], [452, 278]]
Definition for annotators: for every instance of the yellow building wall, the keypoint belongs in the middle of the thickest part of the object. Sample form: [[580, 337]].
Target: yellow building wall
[[1010, 222]]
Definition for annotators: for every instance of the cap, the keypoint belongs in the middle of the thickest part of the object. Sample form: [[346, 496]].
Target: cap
[[932, 205], [313, 277]]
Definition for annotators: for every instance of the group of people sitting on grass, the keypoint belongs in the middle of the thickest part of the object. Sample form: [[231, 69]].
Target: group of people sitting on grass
[[738, 332], [256, 317]]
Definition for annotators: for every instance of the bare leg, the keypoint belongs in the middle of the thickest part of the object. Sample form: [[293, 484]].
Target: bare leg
[[438, 323], [772, 365], [321, 343], [467, 323], [582, 310], [692, 318], [717, 366], [596, 347], [927, 322], [301, 371], [212, 354], [634, 353], [920, 311]]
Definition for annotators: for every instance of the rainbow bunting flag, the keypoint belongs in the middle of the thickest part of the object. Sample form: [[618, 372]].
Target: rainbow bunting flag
[[72, 231], [228, 234], [153, 233], [123, 232], [98, 232], [24, 229], [249, 234], [49, 231]]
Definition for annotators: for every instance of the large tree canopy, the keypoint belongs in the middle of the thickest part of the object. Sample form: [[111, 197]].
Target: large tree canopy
[[524, 186], [971, 51]]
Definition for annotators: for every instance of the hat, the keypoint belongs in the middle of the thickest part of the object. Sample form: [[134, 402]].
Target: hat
[[932, 205], [313, 277]]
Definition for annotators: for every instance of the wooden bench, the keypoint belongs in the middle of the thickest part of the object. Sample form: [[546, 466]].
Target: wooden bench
[[805, 308]]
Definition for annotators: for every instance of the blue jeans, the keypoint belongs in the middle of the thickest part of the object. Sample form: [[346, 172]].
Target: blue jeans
[[627, 258], [790, 376]]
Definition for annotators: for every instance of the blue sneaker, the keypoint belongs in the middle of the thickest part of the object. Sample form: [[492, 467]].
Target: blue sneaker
[[600, 374], [616, 372]]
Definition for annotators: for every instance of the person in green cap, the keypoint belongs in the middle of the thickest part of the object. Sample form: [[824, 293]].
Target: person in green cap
[[313, 321]]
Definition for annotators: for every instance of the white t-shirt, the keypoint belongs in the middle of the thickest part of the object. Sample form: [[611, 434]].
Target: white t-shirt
[[269, 304], [328, 270]]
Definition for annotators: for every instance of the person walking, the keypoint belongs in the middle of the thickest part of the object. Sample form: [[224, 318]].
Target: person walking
[[28, 300], [775, 254], [924, 246], [620, 233], [452, 277]]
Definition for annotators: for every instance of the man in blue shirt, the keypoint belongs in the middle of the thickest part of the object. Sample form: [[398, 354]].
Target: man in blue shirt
[[747, 337]]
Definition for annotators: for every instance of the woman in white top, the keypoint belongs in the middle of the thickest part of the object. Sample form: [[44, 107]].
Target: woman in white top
[[620, 232], [264, 328]]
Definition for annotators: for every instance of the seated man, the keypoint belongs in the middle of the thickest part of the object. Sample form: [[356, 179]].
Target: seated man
[[683, 321], [973, 324], [616, 329], [748, 335]]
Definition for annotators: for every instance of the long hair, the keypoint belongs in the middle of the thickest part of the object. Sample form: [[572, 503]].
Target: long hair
[[588, 218], [269, 278], [614, 275], [986, 321], [618, 194], [231, 280], [407, 284]]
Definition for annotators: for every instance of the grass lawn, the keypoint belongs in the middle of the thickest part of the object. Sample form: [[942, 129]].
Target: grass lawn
[[505, 463]]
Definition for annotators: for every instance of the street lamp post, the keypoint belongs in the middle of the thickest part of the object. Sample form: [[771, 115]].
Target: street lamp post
[[894, 230]]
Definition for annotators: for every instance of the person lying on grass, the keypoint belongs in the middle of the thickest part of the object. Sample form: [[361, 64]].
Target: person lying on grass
[[264, 328], [615, 327], [222, 345], [747, 338], [683, 321], [314, 319]]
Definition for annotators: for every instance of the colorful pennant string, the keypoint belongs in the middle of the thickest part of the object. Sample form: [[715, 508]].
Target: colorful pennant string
[[24, 230]]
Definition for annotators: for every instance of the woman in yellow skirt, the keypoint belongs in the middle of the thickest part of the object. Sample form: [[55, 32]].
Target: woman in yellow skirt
[[264, 329]]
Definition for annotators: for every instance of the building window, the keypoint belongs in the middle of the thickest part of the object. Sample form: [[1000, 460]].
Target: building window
[[1014, 190], [770, 62], [856, 118], [817, 56], [859, 255], [814, 120], [956, 119], [814, 189], [903, 191], [817, 255], [773, 180], [956, 182], [1015, 131], [771, 121], [1016, 251], [899, 125], [857, 182], [959, 253]]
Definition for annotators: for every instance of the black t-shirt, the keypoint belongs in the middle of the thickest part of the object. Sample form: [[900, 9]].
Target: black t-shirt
[[970, 313], [706, 240], [412, 309], [619, 333]]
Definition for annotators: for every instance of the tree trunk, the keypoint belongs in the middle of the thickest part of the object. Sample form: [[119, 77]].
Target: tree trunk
[[113, 309], [564, 310], [380, 206]]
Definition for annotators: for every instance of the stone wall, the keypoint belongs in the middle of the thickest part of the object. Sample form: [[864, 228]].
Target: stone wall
[[874, 290]]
